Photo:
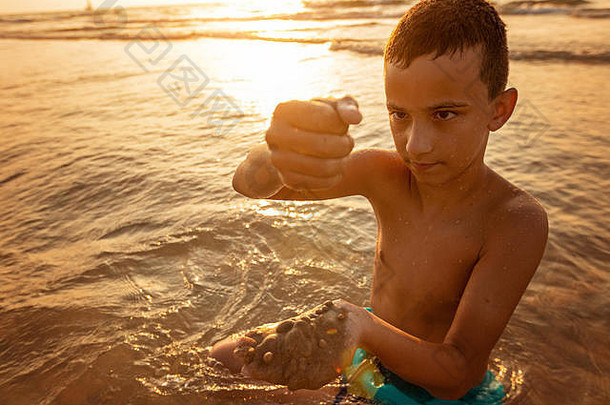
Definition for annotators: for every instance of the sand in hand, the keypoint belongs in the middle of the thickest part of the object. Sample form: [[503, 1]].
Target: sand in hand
[[306, 351]]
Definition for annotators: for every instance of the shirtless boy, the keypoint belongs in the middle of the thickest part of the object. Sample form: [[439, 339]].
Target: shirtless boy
[[457, 243]]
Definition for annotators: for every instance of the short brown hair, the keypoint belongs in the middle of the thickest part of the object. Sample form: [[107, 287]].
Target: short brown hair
[[448, 26]]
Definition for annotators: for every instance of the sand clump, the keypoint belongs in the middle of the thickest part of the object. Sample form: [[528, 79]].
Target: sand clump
[[306, 351]]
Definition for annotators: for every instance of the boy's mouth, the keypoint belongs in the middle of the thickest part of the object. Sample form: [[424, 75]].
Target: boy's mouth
[[422, 166]]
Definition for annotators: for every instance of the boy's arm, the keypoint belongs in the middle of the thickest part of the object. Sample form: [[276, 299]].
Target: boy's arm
[[306, 154], [363, 174], [506, 264]]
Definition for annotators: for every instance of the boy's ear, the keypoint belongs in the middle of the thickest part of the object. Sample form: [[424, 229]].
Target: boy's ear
[[503, 107]]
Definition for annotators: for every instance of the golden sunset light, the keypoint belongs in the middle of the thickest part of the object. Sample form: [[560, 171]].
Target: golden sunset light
[[288, 202]]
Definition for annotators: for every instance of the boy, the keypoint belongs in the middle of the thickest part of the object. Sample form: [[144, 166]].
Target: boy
[[457, 243]]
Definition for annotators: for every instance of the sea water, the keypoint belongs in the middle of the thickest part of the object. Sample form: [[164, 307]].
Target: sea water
[[125, 252]]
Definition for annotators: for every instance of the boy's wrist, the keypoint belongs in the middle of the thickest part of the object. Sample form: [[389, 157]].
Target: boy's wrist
[[360, 323], [366, 324]]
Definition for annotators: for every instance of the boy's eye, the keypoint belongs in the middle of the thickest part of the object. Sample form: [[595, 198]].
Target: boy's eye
[[444, 115], [398, 115]]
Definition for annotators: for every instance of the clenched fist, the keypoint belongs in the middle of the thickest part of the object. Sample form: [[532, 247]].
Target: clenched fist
[[309, 141]]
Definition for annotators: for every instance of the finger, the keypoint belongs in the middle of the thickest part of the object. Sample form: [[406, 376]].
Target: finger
[[244, 349], [246, 341], [281, 136], [304, 183], [348, 110], [346, 107], [313, 116], [286, 161]]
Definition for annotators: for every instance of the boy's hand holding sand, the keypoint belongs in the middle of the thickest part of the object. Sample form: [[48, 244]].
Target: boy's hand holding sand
[[306, 148]]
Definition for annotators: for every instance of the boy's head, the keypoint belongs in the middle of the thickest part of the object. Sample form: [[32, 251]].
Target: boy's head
[[446, 68], [446, 27]]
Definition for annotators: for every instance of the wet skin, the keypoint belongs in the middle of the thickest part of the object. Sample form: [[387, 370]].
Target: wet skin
[[457, 244]]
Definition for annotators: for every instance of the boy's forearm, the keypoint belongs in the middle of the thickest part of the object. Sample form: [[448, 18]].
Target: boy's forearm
[[256, 177], [440, 368]]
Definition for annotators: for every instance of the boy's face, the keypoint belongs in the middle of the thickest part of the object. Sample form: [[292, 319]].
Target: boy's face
[[439, 114]]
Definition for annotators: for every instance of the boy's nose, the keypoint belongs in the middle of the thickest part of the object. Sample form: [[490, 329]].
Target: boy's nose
[[419, 140]]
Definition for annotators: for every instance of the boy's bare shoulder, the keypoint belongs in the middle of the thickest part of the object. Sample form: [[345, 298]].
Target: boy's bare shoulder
[[383, 159], [515, 217], [378, 168], [513, 201]]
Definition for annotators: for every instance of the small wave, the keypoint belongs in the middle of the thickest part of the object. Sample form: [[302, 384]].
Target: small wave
[[544, 55], [541, 6], [129, 229], [175, 36], [591, 13], [364, 48], [351, 3], [318, 15], [375, 48], [43, 17], [12, 177], [16, 20]]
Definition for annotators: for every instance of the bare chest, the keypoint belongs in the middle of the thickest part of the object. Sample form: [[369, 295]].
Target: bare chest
[[421, 270]]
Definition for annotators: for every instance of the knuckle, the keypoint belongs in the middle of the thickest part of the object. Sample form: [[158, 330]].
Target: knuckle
[[277, 134], [332, 166], [331, 101], [349, 143], [341, 147], [280, 108], [269, 136], [349, 100], [284, 107], [271, 133]]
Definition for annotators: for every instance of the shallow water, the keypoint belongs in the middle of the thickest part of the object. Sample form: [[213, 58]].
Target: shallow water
[[124, 251]]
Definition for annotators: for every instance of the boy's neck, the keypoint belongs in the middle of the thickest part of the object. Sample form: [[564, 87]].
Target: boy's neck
[[441, 198]]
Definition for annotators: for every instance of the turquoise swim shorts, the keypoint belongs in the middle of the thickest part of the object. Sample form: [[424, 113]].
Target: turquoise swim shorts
[[368, 381]]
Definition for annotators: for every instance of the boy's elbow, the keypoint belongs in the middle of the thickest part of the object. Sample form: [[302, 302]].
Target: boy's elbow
[[256, 177], [242, 188], [457, 381], [237, 185], [452, 391], [256, 190]]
